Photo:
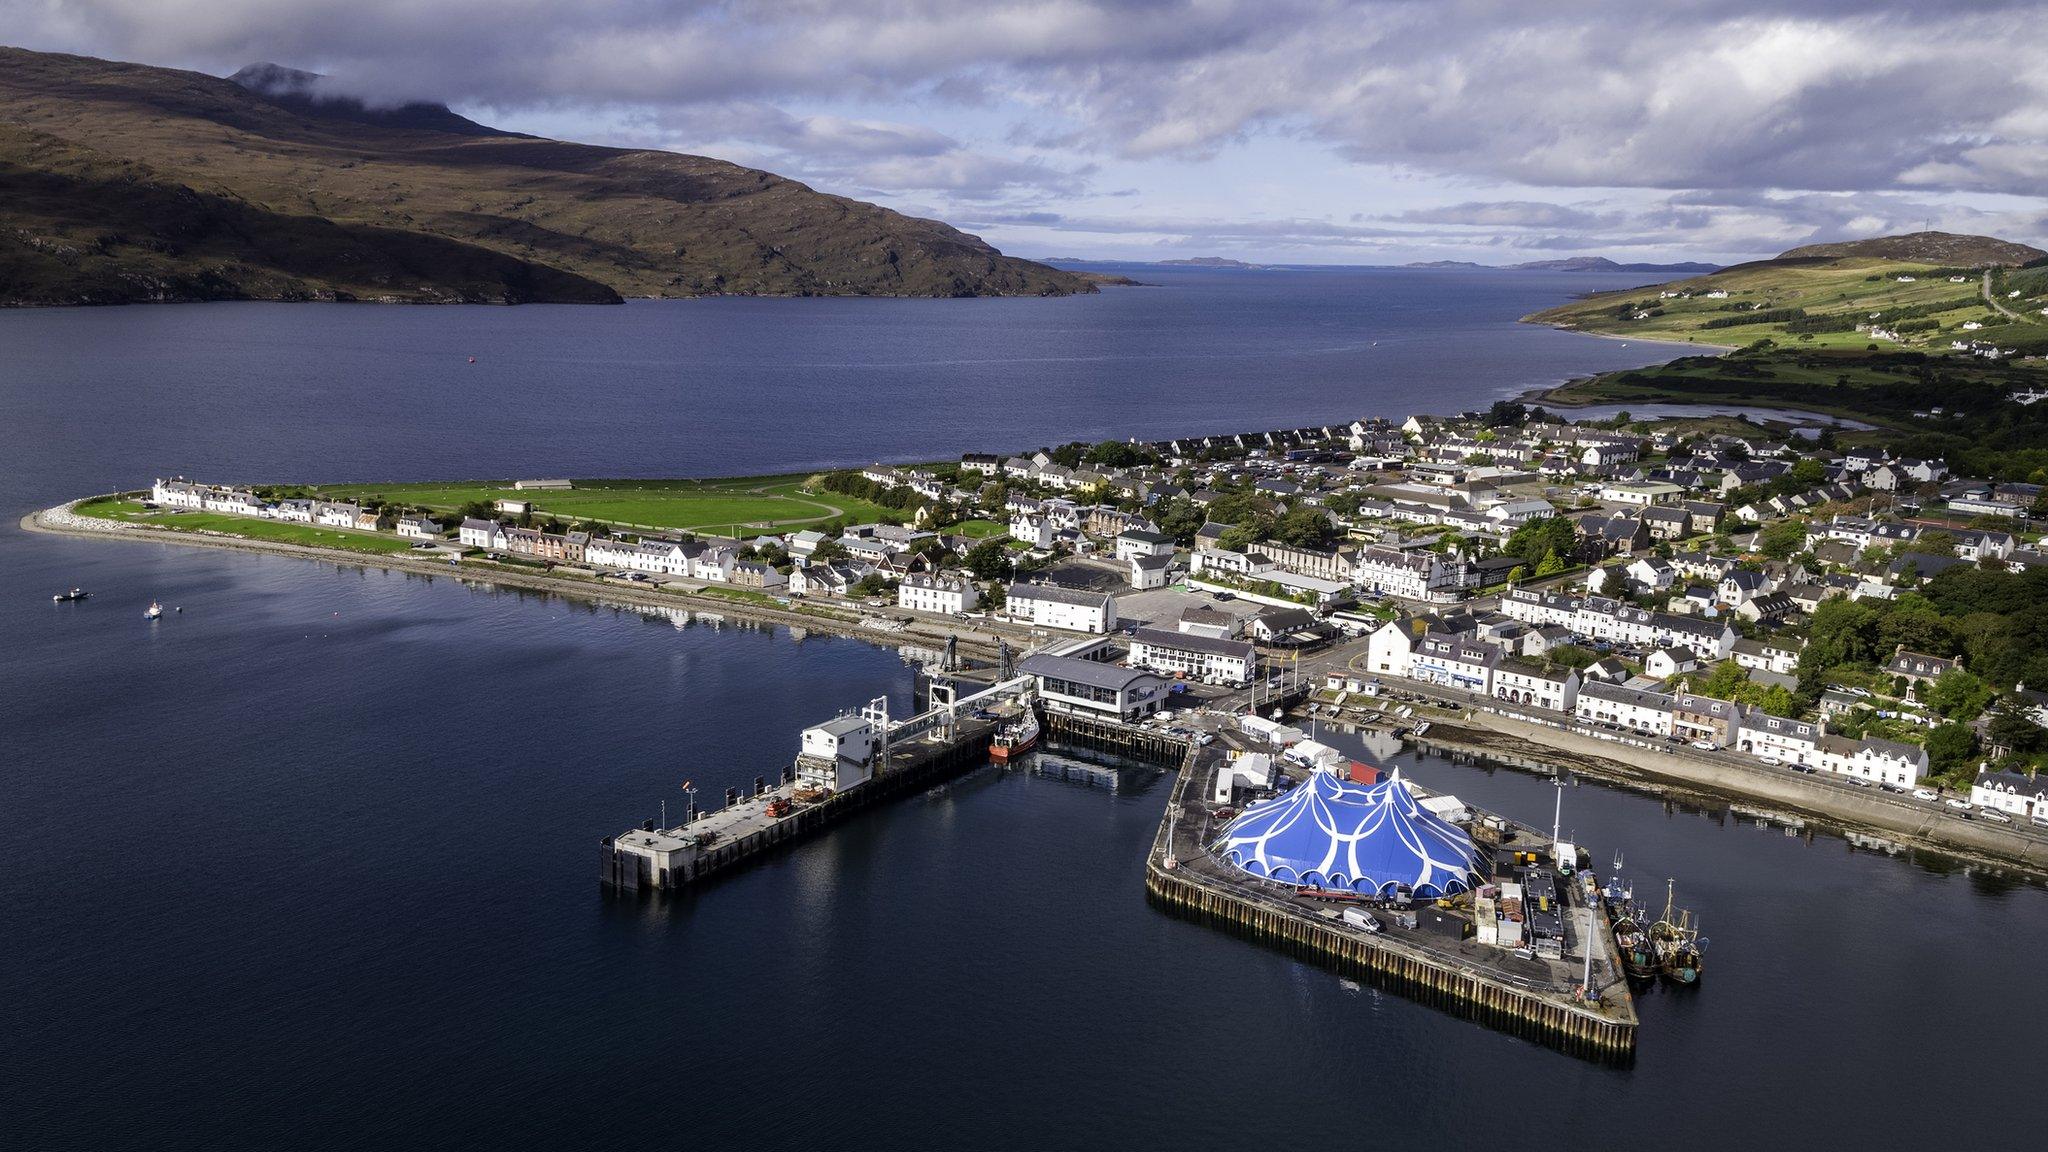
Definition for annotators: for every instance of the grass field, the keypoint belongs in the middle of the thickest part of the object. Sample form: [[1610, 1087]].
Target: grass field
[[1842, 289], [133, 512], [1880, 388], [714, 507], [978, 529]]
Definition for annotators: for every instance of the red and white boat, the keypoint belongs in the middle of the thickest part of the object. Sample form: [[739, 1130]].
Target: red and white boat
[[1016, 738]]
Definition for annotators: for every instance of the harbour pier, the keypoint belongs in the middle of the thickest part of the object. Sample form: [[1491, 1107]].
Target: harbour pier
[[1434, 962], [847, 763]]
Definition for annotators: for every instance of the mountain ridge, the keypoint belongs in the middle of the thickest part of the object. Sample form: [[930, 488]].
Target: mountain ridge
[[126, 183], [1944, 248]]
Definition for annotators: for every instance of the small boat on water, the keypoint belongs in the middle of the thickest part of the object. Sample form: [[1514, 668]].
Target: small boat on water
[[1676, 941], [152, 612], [68, 597], [1015, 739]]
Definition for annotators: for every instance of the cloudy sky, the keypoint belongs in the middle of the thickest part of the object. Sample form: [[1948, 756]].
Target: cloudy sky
[[1299, 131]]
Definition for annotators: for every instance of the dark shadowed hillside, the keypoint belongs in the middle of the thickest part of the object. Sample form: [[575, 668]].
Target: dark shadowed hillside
[[122, 182]]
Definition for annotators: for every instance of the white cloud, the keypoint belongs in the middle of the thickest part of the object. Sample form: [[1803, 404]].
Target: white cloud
[[1545, 122]]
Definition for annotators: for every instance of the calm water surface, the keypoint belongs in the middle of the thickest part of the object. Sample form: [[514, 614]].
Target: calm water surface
[[312, 863]]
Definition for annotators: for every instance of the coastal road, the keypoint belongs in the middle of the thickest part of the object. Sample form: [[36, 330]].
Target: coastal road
[[1821, 792], [2001, 309]]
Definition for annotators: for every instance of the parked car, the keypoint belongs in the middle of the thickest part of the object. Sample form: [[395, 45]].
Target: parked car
[[1993, 815], [1958, 805], [1771, 760], [1924, 794], [1706, 745]]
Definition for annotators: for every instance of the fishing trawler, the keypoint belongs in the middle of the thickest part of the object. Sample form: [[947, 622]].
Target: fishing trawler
[[1676, 940], [1638, 956], [68, 597], [1015, 739], [152, 612]]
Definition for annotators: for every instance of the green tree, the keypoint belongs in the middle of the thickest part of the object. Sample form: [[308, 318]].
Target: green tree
[[1538, 539], [2013, 725], [990, 560], [1781, 538], [1951, 746], [1958, 694], [1180, 519], [1550, 566], [1304, 528]]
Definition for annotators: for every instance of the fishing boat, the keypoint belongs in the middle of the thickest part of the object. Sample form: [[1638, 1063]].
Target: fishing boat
[[1676, 941], [1638, 956], [153, 611], [1015, 739], [68, 597]]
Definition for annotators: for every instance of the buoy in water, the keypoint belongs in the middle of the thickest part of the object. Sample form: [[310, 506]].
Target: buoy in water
[[472, 359]]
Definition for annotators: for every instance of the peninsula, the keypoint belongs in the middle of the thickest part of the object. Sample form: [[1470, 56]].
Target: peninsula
[[1807, 617]]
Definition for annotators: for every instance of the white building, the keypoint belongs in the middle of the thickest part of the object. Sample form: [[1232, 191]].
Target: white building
[[1646, 713], [2023, 797], [1210, 660], [1791, 741], [1072, 610], [1136, 542], [178, 494], [839, 754], [418, 528], [1091, 688], [1879, 761], [1032, 529], [1151, 571], [1530, 686], [925, 592], [1411, 575], [1390, 650], [1455, 662], [485, 534], [621, 554], [333, 515]]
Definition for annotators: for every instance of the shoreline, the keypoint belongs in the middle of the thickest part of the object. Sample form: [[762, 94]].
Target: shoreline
[[1682, 779], [1672, 777], [1648, 340], [52, 522]]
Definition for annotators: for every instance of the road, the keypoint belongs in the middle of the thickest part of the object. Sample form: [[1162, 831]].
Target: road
[[2001, 309]]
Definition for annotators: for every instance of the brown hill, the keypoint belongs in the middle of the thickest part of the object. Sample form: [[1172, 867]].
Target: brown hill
[[1947, 249], [123, 182]]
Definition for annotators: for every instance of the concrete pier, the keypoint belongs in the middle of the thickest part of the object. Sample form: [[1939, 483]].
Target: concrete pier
[[1479, 982], [925, 750]]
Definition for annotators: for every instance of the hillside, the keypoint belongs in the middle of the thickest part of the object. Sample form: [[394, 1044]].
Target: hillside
[[1935, 248], [1810, 299], [123, 183]]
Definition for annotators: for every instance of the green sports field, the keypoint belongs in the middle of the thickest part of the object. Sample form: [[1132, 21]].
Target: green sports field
[[741, 506]]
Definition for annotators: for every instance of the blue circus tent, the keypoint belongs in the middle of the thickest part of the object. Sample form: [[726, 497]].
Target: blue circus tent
[[1328, 832]]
